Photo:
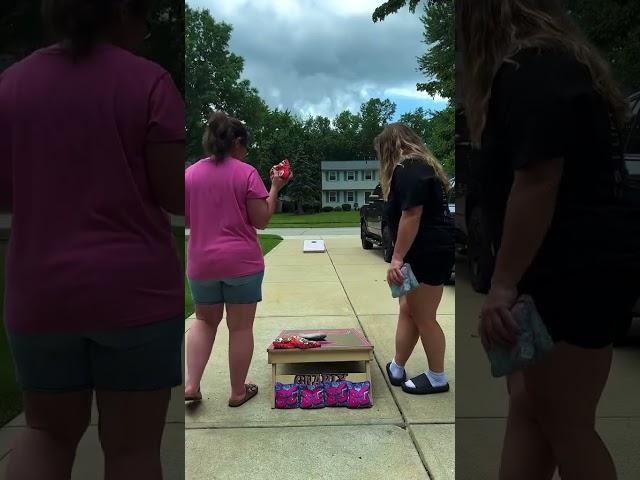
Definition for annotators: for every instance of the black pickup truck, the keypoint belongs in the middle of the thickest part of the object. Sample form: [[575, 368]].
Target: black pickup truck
[[373, 225]]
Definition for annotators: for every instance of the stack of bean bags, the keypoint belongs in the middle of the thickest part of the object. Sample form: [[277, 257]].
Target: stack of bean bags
[[329, 394]]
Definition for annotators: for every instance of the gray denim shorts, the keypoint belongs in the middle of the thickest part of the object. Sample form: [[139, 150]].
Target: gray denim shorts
[[239, 290], [140, 358]]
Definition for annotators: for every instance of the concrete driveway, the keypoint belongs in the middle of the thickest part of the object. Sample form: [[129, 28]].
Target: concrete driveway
[[481, 405], [402, 436]]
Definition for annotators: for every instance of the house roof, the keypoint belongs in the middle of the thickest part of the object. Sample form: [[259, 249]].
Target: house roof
[[350, 165]]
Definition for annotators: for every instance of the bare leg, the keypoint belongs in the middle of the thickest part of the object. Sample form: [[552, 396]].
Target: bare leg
[[199, 344], [566, 387], [407, 334], [46, 449], [131, 426], [240, 322], [423, 305], [526, 453]]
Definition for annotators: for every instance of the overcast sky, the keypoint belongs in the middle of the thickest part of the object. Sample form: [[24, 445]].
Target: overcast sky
[[320, 57]]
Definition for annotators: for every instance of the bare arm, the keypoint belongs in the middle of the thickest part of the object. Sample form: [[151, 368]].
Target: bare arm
[[407, 232], [260, 210], [530, 210], [165, 168]]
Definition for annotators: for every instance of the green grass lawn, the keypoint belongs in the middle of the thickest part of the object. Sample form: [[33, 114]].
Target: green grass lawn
[[267, 242], [316, 220]]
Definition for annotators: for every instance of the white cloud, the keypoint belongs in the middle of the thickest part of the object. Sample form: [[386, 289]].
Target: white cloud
[[413, 93], [321, 57]]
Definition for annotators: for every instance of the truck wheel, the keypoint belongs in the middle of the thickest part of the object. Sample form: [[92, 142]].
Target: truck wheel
[[387, 244], [479, 253], [366, 244]]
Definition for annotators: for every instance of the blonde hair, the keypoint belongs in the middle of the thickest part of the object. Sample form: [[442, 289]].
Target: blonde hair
[[398, 142], [494, 31]]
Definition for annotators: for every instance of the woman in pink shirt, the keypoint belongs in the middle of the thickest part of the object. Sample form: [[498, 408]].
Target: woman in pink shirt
[[91, 161], [225, 202]]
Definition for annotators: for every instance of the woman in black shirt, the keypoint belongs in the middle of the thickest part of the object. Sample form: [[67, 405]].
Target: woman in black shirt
[[541, 106], [414, 184]]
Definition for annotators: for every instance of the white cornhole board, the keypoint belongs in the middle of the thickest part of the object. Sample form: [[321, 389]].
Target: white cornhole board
[[313, 246]]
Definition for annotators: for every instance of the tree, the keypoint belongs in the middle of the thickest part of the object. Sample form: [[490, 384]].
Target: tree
[[22, 31], [420, 122], [213, 79], [166, 24], [305, 188], [441, 140], [438, 62], [374, 115], [392, 6], [347, 126], [616, 34]]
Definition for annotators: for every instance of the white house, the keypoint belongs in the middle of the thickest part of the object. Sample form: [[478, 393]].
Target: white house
[[349, 182]]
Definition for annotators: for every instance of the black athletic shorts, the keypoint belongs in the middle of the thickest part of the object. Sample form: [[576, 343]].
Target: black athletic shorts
[[585, 310], [433, 268]]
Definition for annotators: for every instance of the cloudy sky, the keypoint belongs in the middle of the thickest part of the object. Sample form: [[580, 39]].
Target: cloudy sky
[[320, 57]]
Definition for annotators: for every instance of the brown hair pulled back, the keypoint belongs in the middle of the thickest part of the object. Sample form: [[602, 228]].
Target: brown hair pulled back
[[221, 133]]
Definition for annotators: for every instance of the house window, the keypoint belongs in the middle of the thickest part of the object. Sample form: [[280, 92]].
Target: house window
[[351, 175], [333, 197], [333, 175], [351, 197], [366, 197], [368, 175]]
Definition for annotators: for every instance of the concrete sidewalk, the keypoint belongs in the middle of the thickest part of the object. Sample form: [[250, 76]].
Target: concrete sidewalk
[[482, 401], [402, 436]]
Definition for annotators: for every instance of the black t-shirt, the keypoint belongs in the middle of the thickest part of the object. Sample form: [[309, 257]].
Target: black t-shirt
[[541, 108], [415, 184]]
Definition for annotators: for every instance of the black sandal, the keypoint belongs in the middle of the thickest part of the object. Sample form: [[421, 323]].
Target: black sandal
[[423, 386], [396, 382]]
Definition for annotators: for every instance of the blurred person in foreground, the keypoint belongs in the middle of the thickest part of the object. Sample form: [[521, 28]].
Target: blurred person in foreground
[[92, 159], [544, 114]]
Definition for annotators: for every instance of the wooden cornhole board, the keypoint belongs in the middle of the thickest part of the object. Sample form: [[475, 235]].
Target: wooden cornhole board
[[335, 360], [314, 246]]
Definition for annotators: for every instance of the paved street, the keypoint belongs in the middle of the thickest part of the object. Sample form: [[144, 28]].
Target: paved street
[[481, 404], [402, 436]]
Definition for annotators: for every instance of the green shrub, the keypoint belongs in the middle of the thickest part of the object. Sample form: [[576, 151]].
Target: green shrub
[[288, 207], [338, 208], [346, 207], [327, 209]]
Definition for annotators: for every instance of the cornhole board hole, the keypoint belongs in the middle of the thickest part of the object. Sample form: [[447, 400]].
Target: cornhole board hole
[[313, 246], [345, 354]]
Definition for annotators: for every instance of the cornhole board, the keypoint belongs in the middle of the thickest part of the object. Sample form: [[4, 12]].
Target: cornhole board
[[313, 246], [335, 360]]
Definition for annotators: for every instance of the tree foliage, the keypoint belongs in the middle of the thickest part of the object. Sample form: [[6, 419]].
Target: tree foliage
[[438, 62], [613, 26], [22, 31], [392, 6], [213, 79]]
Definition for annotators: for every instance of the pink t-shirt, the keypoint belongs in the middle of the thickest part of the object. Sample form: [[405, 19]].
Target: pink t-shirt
[[90, 248], [223, 243]]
